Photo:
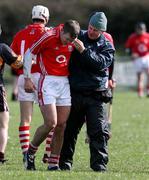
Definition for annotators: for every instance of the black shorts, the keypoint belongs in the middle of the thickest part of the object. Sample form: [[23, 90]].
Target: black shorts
[[3, 101]]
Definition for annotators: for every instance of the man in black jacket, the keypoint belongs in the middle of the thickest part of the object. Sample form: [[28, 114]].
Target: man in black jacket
[[89, 83]]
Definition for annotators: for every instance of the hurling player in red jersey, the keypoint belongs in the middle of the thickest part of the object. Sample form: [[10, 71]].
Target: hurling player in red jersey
[[21, 42], [54, 48], [137, 45]]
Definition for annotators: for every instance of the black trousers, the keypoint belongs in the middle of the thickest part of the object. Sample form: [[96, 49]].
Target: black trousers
[[87, 107]]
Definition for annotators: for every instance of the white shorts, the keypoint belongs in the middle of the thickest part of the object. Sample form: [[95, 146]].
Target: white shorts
[[54, 90], [141, 63], [22, 95]]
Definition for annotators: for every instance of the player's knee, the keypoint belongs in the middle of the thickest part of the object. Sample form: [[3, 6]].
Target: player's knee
[[61, 125], [51, 124], [59, 130]]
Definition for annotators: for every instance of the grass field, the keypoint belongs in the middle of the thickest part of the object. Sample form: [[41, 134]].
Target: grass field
[[128, 148]]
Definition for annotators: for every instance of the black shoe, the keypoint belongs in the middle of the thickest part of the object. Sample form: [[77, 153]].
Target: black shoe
[[3, 161], [54, 168], [65, 166], [100, 168], [29, 163], [45, 159]]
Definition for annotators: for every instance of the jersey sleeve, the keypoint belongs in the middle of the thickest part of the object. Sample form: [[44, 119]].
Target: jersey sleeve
[[43, 41], [39, 44]]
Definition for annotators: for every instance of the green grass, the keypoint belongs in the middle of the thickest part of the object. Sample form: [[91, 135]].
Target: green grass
[[128, 148]]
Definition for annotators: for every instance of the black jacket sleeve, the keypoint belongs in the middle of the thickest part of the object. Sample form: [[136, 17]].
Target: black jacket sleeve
[[111, 70], [99, 57], [7, 54]]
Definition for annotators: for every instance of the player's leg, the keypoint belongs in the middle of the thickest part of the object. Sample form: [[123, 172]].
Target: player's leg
[[140, 84], [49, 113], [63, 104], [26, 108], [57, 141], [87, 139], [48, 142], [146, 64], [139, 67], [147, 85], [4, 120], [50, 120]]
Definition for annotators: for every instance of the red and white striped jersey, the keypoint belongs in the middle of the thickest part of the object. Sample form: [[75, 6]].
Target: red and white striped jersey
[[54, 56], [24, 39], [138, 44]]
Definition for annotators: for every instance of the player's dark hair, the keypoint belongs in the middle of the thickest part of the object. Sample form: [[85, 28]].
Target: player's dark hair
[[72, 27]]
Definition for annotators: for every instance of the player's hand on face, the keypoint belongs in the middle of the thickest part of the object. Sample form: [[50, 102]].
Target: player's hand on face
[[29, 86], [79, 45]]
